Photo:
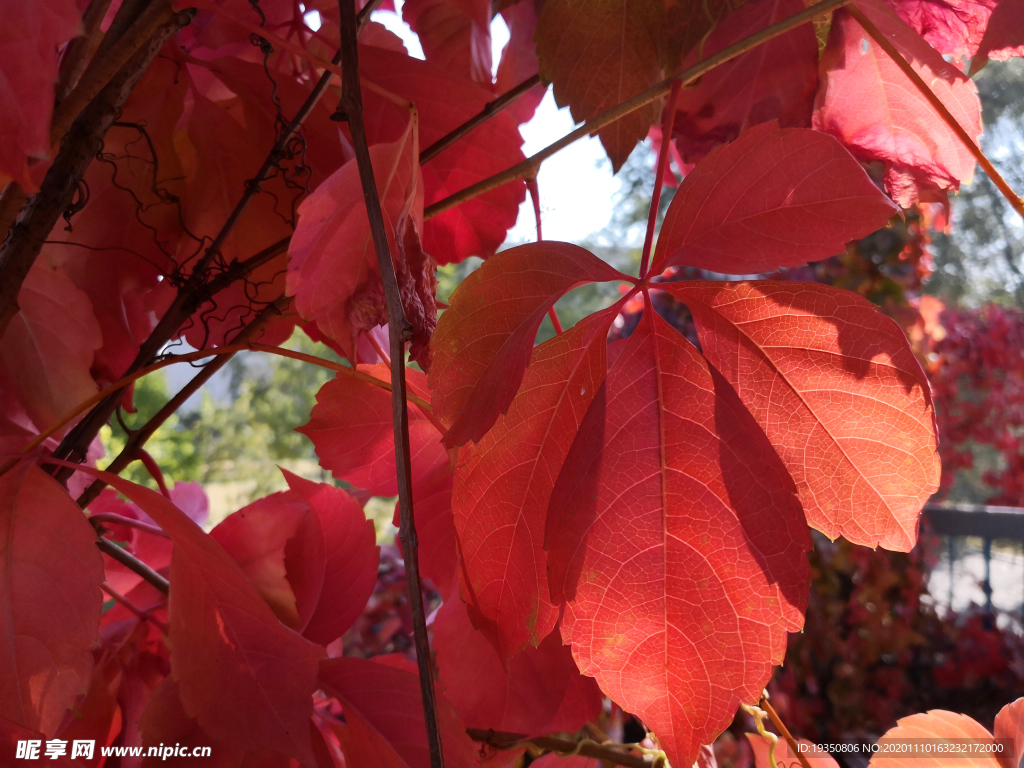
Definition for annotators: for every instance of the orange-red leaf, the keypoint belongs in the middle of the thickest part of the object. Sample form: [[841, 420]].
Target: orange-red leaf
[[866, 102], [50, 599], [676, 543], [384, 716], [485, 338], [599, 55], [836, 387], [772, 198], [783, 757], [1009, 724], [242, 674], [504, 483], [938, 724]]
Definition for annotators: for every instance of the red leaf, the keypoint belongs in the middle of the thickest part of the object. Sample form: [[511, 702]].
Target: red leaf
[[33, 33], [351, 429], [772, 198], [774, 81], [255, 537], [866, 102], [246, 677], [47, 350], [1004, 35], [384, 714], [952, 27], [1010, 725], [538, 691], [519, 59], [332, 265], [936, 724], [836, 387], [455, 35], [504, 483], [349, 569], [50, 600], [676, 543], [478, 366], [600, 55], [444, 102]]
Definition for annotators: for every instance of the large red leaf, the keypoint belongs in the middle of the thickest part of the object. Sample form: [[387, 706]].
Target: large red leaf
[[836, 387], [866, 101], [351, 555], [598, 55], [519, 59], [774, 81], [1009, 724], [384, 714], [354, 437], [538, 690], [332, 265], [444, 101], [772, 198], [676, 543], [478, 366], [50, 599], [29, 41], [504, 483], [47, 350], [243, 675]]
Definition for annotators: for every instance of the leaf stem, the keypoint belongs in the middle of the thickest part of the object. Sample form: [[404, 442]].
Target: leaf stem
[[490, 110], [114, 519], [128, 560], [886, 45], [610, 753], [777, 722], [351, 109], [667, 122], [528, 167], [142, 613]]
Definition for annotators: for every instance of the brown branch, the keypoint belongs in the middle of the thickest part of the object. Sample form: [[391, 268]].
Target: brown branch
[[585, 748], [490, 110], [884, 43], [112, 518], [138, 437], [128, 560], [83, 141], [530, 166], [364, 15], [351, 109], [777, 721], [76, 55], [102, 69]]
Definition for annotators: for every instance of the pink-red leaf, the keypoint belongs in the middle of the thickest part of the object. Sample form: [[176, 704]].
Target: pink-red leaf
[[952, 27], [455, 35], [836, 387], [332, 265], [784, 759], [246, 677], [485, 338], [47, 350], [774, 81], [29, 42], [50, 599], [1009, 724], [349, 569], [1004, 35], [538, 690], [504, 483], [384, 716], [676, 543], [772, 198], [873, 108]]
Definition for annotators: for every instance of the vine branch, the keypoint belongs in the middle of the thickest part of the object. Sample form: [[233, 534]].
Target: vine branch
[[128, 560], [884, 43], [530, 166], [399, 331], [777, 722], [659, 175]]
